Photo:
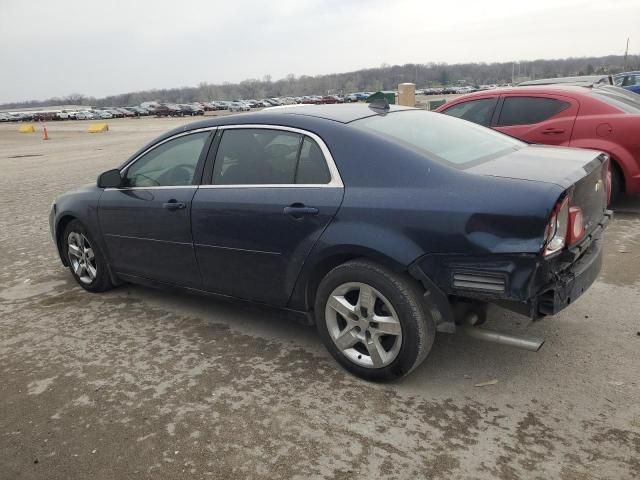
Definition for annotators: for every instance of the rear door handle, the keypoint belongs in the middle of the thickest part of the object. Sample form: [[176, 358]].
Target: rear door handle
[[552, 131], [298, 210], [174, 205]]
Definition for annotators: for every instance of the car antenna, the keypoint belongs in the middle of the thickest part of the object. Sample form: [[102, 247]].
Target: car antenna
[[380, 104]]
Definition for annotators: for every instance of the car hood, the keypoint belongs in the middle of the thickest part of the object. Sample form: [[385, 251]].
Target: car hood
[[89, 188], [560, 166]]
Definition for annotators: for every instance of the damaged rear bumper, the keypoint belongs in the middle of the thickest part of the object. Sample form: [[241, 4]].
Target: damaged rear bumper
[[571, 283], [528, 284]]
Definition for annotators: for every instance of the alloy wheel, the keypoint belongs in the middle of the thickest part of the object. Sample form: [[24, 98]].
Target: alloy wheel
[[363, 325], [82, 257]]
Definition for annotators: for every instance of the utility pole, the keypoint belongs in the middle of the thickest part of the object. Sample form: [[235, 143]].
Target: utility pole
[[626, 53]]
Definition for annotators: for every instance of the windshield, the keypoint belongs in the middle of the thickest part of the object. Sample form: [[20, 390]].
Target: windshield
[[457, 142]]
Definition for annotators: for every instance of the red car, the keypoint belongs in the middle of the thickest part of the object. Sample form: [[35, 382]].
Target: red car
[[602, 118]]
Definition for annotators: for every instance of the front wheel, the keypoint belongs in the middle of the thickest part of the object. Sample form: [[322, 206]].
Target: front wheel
[[373, 321], [85, 259]]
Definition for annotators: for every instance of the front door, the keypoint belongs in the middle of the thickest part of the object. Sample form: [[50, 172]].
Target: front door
[[272, 194], [147, 223]]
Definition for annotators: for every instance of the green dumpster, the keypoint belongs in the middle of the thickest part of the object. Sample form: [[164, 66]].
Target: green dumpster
[[390, 96]]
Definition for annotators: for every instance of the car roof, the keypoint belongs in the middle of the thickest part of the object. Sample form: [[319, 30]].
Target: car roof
[[343, 113], [583, 80], [554, 89], [285, 114]]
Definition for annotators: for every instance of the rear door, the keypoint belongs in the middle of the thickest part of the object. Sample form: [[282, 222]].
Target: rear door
[[146, 224], [542, 119], [271, 194]]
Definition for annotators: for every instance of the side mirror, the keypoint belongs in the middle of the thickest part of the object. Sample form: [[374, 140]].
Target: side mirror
[[110, 179]]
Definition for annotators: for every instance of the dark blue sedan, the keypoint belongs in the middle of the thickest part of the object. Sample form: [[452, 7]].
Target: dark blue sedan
[[380, 225]]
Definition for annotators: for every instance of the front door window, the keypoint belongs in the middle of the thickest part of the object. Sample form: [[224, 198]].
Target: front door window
[[171, 164]]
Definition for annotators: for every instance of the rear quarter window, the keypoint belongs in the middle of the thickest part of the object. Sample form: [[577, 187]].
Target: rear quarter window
[[529, 110], [312, 167]]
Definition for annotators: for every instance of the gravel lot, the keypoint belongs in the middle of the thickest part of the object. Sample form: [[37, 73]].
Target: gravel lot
[[139, 383]]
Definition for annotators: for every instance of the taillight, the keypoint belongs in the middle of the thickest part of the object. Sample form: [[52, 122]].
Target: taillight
[[576, 225], [565, 227], [557, 228]]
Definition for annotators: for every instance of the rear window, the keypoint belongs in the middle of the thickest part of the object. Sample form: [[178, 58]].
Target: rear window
[[618, 97], [441, 137]]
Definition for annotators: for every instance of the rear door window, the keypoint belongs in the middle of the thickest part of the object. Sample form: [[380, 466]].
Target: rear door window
[[477, 111], [529, 110], [255, 156]]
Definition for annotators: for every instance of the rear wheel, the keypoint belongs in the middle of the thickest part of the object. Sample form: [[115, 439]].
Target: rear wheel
[[85, 259], [373, 321], [617, 182]]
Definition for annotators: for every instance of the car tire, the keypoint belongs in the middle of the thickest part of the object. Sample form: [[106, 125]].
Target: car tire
[[617, 183], [394, 333], [85, 259]]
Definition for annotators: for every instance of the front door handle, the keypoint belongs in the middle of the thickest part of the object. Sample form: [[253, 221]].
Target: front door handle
[[298, 210], [553, 131], [174, 205]]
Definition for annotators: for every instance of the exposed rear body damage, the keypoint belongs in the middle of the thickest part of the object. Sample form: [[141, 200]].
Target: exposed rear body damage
[[532, 284]]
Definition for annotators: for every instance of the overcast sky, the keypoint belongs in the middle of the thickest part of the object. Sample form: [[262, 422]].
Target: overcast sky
[[54, 48]]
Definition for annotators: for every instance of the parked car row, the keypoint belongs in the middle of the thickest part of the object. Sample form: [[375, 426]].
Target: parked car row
[[15, 117], [174, 110], [236, 105], [166, 109], [104, 113], [459, 90], [100, 113]]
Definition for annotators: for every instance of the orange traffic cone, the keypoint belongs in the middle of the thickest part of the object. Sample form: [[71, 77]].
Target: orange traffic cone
[[46, 134]]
